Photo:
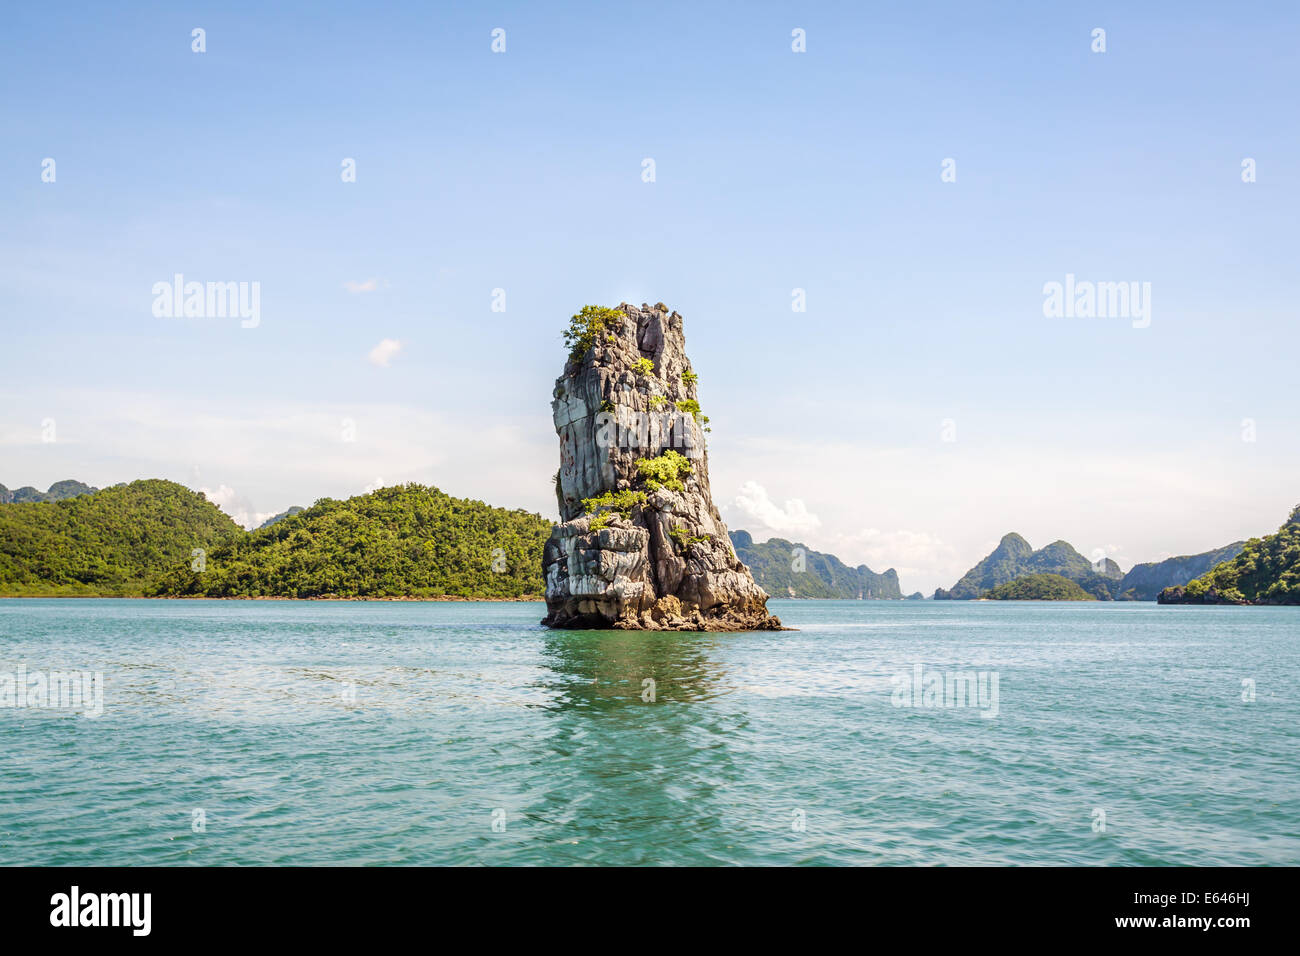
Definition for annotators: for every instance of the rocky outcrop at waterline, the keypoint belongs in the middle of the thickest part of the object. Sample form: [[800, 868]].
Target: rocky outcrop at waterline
[[641, 544], [1266, 571], [1211, 595]]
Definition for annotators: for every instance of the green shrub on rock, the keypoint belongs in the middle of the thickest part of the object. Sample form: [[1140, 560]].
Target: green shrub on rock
[[586, 327], [623, 502], [665, 471]]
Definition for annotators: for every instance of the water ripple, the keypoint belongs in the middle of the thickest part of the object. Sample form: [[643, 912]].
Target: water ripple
[[382, 734]]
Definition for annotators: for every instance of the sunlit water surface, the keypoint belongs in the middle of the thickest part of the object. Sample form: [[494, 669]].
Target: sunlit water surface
[[457, 733]]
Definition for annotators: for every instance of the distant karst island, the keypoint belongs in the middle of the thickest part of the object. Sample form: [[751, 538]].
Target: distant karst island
[[1039, 587], [57, 492], [792, 570], [1014, 561]]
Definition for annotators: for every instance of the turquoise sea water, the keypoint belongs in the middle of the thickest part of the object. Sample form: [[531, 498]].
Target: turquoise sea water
[[399, 733]]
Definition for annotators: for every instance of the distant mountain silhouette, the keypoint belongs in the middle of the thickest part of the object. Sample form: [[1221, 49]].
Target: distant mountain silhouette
[[786, 569], [58, 492], [1145, 581], [1014, 558]]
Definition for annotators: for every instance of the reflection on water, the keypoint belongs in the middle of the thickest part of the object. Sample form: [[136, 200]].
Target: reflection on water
[[627, 759], [601, 669]]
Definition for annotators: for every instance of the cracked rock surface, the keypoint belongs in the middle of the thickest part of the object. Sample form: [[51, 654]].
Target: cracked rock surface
[[656, 555]]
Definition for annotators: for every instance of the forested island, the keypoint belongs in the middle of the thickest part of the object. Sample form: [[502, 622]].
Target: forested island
[[1266, 571], [156, 538], [114, 542], [1039, 587], [1014, 559]]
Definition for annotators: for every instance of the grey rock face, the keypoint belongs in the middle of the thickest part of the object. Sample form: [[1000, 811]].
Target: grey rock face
[[1145, 582], [656, 555]]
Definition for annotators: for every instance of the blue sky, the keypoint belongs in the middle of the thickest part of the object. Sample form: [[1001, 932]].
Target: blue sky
[[774, 170]]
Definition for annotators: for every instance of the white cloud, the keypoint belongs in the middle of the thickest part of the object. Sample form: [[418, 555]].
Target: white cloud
[[755, 508], [385, 352], [1113, 551], [237, 506], [913, 554], [370, 285]]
